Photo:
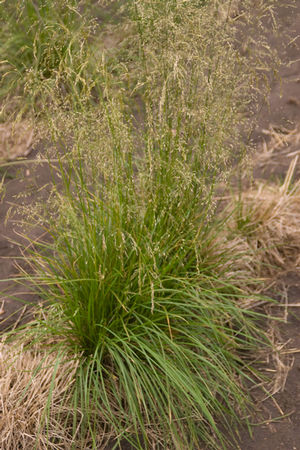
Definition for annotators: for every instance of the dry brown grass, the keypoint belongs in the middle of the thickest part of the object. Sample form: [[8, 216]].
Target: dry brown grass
[[26, 378], [267, 219], [280, 147], [284, 140], [15, 140]]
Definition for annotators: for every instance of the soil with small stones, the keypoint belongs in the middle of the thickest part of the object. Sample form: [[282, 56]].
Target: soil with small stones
[[278, 419]]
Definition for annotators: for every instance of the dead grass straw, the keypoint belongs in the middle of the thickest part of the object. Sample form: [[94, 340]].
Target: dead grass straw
[[267, 219], [26, 378]]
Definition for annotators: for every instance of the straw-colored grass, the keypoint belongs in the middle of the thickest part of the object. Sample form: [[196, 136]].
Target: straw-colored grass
[[26, 378], [280, 142], [267, 218]]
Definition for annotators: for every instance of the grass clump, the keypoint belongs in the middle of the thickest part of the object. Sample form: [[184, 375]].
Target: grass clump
[[44, 54], [142, 295]]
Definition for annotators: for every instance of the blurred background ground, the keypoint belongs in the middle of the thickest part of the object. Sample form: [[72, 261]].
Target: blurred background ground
[[277, 138]]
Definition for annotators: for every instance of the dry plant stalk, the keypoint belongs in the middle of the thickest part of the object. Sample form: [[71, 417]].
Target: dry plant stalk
[[26, 378], [15, 140], [268, 221], [284, 140], [228, 9]]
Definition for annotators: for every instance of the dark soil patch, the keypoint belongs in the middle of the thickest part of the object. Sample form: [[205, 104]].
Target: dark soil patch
[[24, 184]]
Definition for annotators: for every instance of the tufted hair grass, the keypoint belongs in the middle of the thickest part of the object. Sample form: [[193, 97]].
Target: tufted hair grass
[[141, 293]]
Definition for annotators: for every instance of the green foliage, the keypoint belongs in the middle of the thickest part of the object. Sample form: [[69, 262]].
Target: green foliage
[[43, 50], [142, 292]]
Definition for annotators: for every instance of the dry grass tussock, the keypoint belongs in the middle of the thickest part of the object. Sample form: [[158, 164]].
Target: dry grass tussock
[[265, 228], [267, 221], [35, 390], [281, 140], [35, 411], [25, 383]]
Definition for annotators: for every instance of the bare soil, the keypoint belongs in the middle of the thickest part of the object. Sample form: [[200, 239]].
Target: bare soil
[[276, 422], [25, 183], [278, 419]]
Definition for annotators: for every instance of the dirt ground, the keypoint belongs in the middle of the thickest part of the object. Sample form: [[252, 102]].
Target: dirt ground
[[26, 182], [276, 122], [277, 420]]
